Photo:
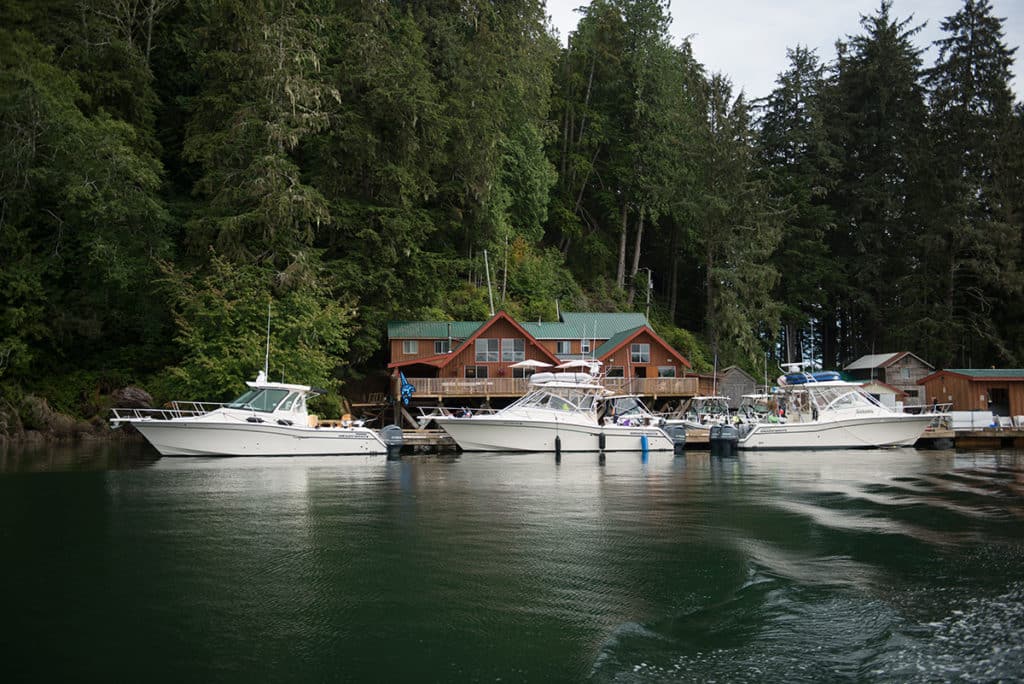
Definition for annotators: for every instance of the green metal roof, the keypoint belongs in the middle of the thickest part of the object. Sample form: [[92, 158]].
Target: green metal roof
[[601, 326], [988, 372], [431, 330], [549, 330], [614, 341], [573, 326]]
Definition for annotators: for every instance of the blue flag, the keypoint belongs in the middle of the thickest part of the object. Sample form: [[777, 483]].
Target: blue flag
[[407, 389]]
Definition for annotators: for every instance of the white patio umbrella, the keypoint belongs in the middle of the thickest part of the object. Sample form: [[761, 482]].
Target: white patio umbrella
[[530, 363]]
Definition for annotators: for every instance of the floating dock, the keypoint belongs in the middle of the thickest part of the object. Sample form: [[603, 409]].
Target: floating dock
[[992, 438]]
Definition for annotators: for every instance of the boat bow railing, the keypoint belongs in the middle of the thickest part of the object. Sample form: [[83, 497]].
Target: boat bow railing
[[176, 409]]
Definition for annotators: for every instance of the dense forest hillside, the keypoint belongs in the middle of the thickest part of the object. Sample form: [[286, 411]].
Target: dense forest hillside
[[169, 169]]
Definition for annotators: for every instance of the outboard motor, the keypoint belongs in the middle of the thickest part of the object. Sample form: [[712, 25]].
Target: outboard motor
[[392, 436], [677, 433], [724, 440]]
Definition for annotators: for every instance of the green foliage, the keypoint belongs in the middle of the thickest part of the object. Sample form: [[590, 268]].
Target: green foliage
[[168, 167], [689, 345], [221, 319]]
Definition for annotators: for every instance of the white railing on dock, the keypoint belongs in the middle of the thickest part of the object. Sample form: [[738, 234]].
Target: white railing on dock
[[514, 387]]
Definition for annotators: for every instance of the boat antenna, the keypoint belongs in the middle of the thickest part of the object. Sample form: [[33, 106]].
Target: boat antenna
[[714, 379], [266, 359]]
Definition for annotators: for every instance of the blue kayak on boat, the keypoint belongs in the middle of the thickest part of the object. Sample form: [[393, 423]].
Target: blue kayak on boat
[[817, 376]]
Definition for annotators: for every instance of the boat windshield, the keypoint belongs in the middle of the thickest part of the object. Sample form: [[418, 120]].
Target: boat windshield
[[625, 406], [264, 400], [557, 400], [839, 398]]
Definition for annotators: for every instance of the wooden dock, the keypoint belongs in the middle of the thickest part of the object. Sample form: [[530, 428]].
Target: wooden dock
[[992, 438], [427, 440]]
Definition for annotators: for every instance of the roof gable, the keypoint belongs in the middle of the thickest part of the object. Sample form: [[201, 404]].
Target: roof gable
[[501, 316], [623, 338], [871, 361]]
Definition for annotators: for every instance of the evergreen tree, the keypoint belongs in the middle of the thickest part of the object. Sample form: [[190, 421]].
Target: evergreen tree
[[800, 163], [972, 252], [876, 114], [735, 232]]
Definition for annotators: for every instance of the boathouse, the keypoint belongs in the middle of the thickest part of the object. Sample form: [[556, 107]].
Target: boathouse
[[901, 370], [1000, 391], [484, 360]]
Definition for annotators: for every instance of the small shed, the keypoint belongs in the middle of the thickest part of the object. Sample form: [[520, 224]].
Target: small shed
[[901, 370], [1000, 391], [887, 395], [734, 382]]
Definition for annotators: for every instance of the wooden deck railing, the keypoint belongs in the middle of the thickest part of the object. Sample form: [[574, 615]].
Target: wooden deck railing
[[442, 388]]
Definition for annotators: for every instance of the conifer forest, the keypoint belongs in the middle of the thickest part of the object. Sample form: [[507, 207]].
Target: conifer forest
[[170, 170]]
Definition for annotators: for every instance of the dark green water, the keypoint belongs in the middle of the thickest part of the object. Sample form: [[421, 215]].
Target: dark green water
[[897, 565]]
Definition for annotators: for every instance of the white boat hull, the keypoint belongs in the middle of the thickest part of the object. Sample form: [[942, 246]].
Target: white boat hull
[[206, 438], [489, 433], [847, 433]]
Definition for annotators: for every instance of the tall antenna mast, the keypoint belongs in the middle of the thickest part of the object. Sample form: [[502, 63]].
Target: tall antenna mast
[[266, 359]]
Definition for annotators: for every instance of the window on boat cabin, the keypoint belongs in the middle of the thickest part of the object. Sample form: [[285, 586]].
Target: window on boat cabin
[[410, 347], [513, 349], [476, 371], [563, 347], [241, 401], [487, 350], [666, 371], [523, 372], [267, 399], [616, 372], [442, 346], [640, 352], [286, 405], [584, 346]]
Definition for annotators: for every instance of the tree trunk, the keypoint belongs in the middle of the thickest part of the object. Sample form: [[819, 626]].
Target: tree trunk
[[636, 257], [620, 276]]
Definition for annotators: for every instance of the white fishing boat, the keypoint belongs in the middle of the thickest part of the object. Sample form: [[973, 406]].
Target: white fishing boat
[[561, 412], [815, 411], [270, 419]]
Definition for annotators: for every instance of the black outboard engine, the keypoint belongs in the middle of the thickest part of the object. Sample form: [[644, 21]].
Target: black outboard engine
[[392, 436], [677, 433], [724, 440]]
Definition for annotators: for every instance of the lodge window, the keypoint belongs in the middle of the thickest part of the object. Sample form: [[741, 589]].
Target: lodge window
[[563, 348], [487, 351], [513, 349], [522, 372], [666, 371], [410, 347], [616, 372], [442, 346], [584, 346], [640, 353], [476, 371]]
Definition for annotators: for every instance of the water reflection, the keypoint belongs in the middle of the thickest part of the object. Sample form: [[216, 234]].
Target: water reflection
[[857, 565]]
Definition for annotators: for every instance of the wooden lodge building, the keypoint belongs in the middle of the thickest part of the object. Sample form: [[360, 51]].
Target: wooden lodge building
[[471, 362], [1000, 391]]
